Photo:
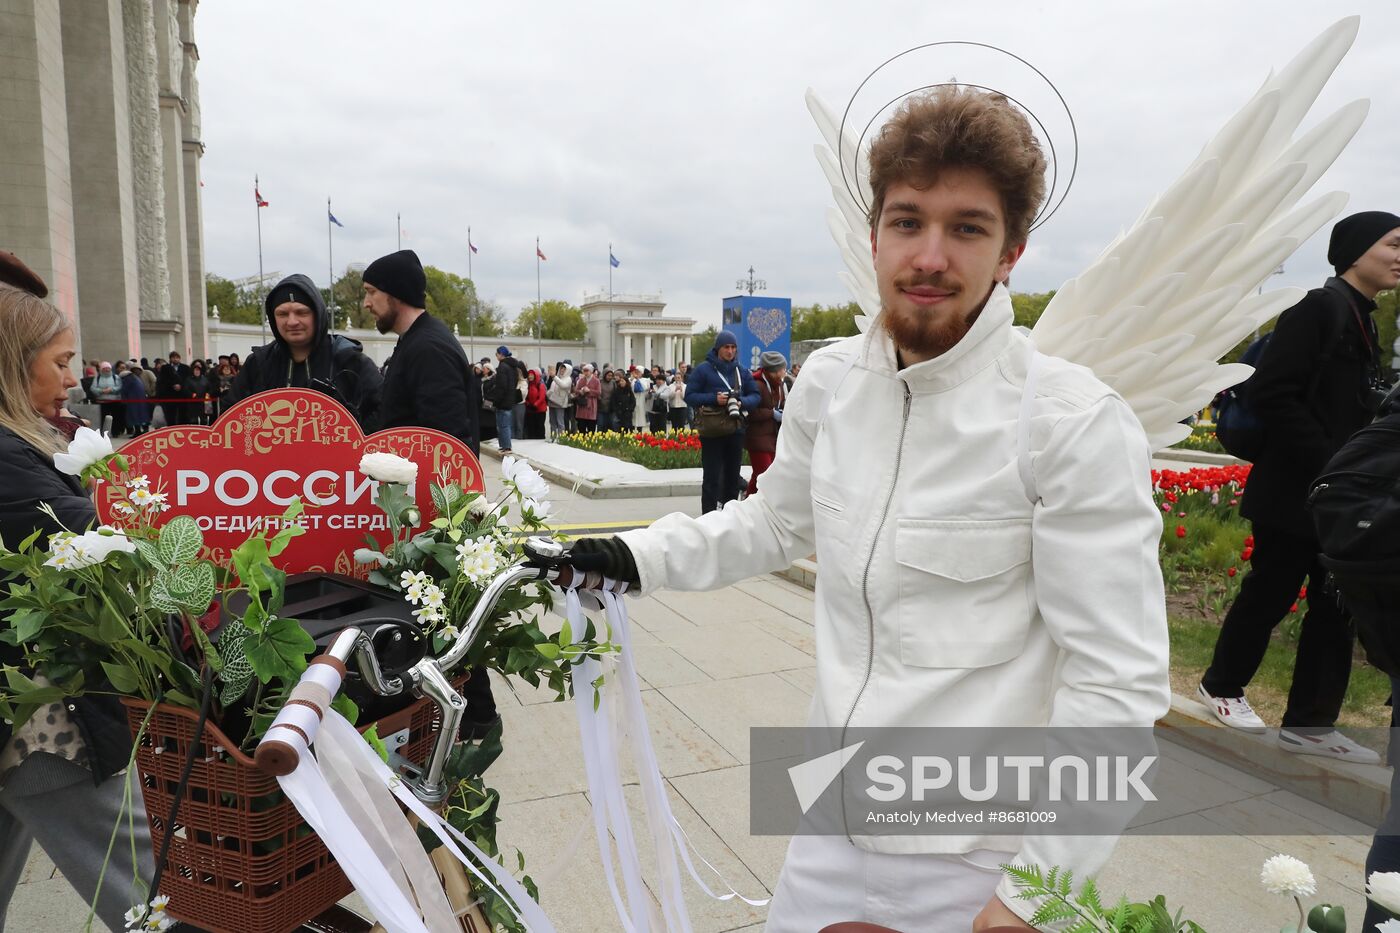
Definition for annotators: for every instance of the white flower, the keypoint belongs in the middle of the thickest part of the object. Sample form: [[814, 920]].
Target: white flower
[[160, 901], [138, 482], [449, 632], [479, 507], [389, 468], [537, 510], [121, 508], [134, 915], [428, 616], [1383, 887], [432, 597], [525, 478], [143, 498], [87, 448], [73, 552], [479, 560], [364, 556], [1284, 874]]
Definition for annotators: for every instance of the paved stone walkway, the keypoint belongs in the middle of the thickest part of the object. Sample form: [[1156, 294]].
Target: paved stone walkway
[[716, 664]]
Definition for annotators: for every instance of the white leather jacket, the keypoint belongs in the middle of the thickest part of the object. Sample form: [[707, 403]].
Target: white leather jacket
[[944, 596]]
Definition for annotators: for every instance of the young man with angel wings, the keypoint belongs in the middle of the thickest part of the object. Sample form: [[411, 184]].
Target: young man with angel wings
[[981, 511]]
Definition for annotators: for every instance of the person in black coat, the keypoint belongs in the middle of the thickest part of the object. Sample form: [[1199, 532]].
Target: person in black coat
[[1315, 385], [428, 383], [60, 773], [173, 382], [304, 354]]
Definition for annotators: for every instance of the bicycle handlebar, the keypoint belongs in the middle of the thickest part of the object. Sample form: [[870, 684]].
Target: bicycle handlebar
[[294, 730]]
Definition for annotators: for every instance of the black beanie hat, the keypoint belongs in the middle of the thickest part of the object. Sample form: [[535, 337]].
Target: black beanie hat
[[289, 290], [401, 275], [1354, 235]]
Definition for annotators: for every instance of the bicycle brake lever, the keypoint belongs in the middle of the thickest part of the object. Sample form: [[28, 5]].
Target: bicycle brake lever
[[545, 553]]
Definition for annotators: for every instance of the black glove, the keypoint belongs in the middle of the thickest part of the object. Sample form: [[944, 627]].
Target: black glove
[[608, 556]]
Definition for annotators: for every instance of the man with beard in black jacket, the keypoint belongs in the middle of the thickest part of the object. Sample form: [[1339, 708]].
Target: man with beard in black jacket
[[1316, 384], [428, 383], [173, 382], [304, 354]]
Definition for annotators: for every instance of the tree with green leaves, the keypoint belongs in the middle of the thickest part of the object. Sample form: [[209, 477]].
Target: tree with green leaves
[[1027, 307], [236, 305], [701, 344], [552, 319], [813, 322]]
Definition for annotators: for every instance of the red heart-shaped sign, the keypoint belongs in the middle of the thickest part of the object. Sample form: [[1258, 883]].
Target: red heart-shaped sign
[[234, 476]]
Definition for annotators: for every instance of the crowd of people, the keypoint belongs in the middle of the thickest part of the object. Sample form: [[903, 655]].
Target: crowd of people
[[131, 392]]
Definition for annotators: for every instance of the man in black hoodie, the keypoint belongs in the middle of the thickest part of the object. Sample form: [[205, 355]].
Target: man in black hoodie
[[304, 354]]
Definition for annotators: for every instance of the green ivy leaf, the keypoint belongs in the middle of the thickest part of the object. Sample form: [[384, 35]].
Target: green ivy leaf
[[346, 707], [279, 650], [375, 742], [192, 587], [180, 540]]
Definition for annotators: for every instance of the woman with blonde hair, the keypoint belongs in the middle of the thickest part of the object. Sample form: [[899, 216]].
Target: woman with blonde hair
[[60, 773]]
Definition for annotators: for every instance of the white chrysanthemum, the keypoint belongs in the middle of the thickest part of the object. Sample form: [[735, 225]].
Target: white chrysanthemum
[[160, 901], [73, 552], [138, 482], [535, 509], [87, 447], [143, 498], [1284, 874], [1383, 887], [365, 557], [121, 508], [525, 478], [389, 468]]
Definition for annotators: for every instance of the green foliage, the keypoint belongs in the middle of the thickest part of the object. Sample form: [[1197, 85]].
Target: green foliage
[[701, 344], [814, 322], [1027, 308], [552, 319], [1084, 912], [236, 305]]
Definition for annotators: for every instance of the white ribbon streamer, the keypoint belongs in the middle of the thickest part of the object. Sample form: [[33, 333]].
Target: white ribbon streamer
[[596, 729]]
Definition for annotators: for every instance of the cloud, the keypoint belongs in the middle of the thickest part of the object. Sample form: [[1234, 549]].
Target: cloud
[[679, 134]]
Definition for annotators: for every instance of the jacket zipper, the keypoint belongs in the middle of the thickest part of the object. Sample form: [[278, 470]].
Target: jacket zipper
[[865, 588]]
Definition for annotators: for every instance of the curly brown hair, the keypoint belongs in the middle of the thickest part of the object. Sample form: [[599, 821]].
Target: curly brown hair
[[953, 126]]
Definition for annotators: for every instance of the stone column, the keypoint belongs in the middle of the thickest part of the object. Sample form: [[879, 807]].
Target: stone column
[[169, 75], [160, 333], [99, 129], [627, 347], [646, 351], [192, 152], [685, 355], [36, 187]]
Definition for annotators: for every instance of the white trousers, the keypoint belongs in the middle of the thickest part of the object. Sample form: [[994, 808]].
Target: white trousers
[[826, 879]]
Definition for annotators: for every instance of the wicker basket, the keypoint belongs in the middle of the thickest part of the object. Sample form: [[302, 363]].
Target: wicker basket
[[242, 860]]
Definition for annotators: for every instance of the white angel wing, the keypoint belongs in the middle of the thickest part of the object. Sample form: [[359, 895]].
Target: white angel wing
[[1187, 269], [847, 220], [1156, 311]]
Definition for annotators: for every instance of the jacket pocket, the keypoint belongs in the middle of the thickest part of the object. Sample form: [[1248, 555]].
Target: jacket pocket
[[963, 591], [826, 504]]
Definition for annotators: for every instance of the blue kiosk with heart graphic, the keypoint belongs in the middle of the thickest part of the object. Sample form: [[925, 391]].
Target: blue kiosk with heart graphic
[[759, 323]]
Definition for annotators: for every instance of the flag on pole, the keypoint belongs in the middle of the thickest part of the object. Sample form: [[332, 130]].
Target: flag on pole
[[333, 220], [257, 196], [613, 260], [540, 254], [469, 243]]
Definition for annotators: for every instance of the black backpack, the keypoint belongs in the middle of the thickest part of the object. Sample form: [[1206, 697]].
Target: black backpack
[[1355, 506], [1237, 426]]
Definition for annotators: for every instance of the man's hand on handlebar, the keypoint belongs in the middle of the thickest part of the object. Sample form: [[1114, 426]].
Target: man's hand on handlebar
[[608, 556]]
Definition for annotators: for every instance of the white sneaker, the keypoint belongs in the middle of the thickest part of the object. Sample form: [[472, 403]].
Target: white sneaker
[[1234, 712], [1327, 745]]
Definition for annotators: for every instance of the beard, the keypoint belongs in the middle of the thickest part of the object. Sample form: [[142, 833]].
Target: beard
[[928, 334], [386, 323]]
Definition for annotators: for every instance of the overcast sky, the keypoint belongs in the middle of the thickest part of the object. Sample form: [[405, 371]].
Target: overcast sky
[[679, 134]]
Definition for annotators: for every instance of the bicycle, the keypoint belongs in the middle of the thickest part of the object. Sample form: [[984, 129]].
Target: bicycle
[[355, 655]]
